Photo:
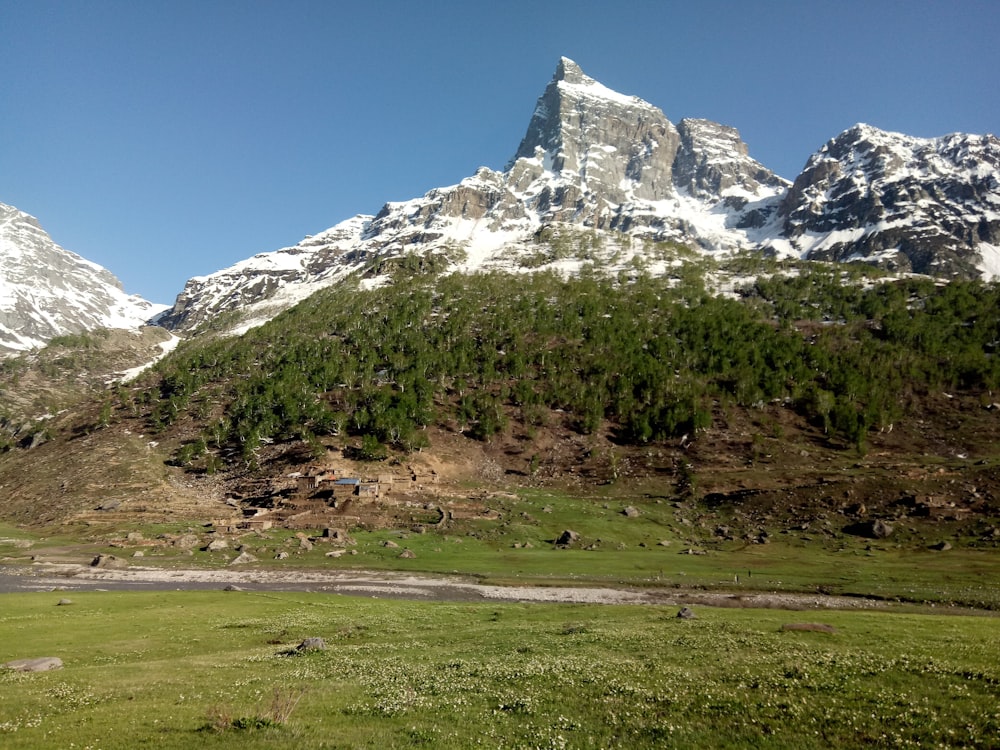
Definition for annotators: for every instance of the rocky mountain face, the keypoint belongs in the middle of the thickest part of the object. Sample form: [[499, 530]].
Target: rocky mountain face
[[270, 282], [46, 291], [591, 159], [929, 206], [609, 177], [612, 169]]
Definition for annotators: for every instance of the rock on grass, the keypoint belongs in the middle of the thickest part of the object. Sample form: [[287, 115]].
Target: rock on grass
[[36, 664]]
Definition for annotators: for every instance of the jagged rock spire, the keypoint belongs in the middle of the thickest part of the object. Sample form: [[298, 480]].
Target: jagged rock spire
[[607, 163], [617, 145]]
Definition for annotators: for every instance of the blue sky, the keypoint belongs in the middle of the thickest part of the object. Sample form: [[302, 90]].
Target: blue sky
[[166, 139]]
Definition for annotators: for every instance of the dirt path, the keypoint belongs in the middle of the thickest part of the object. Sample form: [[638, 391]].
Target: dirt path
[[74, 577]]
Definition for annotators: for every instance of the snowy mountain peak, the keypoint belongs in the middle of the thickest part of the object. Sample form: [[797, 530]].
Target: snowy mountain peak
[[573, 82], [581, 127], [598, 164], [46, 291], [591, 158], [862, 131], [930, 205], [567, 70]]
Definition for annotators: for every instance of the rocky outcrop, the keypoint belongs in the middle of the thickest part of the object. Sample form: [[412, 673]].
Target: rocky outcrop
[[33, 664], [713, 161], [928, 205], [619, 147]]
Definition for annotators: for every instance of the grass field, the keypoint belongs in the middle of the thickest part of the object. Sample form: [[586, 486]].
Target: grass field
[[211, 669]]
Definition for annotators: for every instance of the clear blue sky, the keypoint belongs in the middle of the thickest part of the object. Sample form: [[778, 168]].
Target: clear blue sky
[[166, 139]]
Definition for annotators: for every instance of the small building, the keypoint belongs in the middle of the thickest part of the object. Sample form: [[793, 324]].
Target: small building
[[368, 489], [345, 487], [314, 478]]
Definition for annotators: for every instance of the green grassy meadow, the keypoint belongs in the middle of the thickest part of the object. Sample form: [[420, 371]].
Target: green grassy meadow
[[211, 669]]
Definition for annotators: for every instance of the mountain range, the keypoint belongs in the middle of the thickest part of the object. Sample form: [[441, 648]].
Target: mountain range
[[599, 178]]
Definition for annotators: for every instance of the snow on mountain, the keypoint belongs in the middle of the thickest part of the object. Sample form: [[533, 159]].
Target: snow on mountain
[[601, 177], [603, 160], [598, 178], [46, 291], [262, 286], [929, 205], [592, 159]]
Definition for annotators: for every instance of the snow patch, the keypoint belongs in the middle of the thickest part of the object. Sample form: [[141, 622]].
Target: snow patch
[[989, 263], [165, 348]]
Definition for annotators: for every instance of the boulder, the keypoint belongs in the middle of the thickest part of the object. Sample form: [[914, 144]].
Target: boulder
[[630, 512], [338, 536], [881, 529], [243, 559], [567, 538], [407, 554], [312, 644], [941, 546], [216, 545], [36, 664], [109, 562], [187, 541], [37, 439], [874, 529]]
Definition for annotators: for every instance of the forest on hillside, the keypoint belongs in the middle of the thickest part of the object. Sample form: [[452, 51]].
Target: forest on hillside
[[651, 357]]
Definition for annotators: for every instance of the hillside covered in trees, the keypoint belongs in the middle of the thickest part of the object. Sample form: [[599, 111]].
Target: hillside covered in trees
[[645, 359]]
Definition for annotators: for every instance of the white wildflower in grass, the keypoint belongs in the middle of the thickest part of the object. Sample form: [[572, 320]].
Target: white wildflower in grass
[[501, 676]]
